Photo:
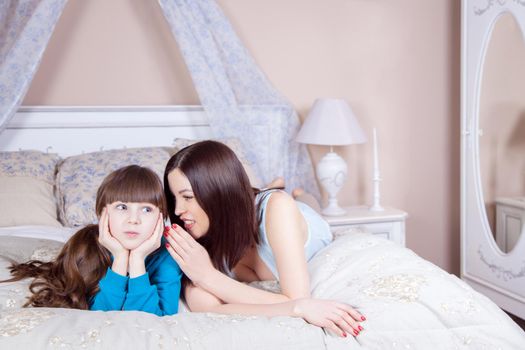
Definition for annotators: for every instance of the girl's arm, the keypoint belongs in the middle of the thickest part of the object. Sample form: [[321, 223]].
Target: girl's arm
[[337, 317], [118, 252], [113, 286], [286, 230], [112, 292], [156, 290]]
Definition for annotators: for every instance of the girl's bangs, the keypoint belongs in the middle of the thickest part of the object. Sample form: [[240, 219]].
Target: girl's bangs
[[140, 187]]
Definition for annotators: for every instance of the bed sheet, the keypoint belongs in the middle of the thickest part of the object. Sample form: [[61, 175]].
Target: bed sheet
[[409, 304]]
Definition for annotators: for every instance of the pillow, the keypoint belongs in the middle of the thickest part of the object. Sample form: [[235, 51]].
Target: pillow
[[80, 176], [236, 147], [27, 181], [22, 249]]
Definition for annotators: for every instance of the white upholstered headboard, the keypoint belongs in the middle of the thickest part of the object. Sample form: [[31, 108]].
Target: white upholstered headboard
[[74, 130]]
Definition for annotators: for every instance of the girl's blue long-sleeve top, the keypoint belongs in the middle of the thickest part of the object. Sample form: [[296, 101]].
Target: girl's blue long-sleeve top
[[157, 291]]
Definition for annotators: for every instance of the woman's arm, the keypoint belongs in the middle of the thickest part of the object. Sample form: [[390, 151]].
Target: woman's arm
[[287, 232], [337, 317], [194, 260]]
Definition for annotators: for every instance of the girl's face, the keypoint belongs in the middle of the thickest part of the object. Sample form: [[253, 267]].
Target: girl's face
[[131, 223], [196, 221]]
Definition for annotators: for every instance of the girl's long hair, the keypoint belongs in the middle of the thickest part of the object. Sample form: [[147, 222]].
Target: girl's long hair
[[222, 189], [71, 279]]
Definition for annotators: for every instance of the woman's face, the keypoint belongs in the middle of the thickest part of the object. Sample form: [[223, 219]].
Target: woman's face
[[196, 221], [131, 223]]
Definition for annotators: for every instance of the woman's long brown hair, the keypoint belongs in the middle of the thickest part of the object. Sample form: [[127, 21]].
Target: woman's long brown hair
[[223, 190], [72, 278]]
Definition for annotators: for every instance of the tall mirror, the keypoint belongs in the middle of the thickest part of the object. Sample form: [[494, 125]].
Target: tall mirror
[[502, 123]]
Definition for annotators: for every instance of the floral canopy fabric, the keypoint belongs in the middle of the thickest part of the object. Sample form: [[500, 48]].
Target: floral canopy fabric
[[237, 97]]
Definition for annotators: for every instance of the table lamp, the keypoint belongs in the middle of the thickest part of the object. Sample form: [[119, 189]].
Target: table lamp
[[331, 122]]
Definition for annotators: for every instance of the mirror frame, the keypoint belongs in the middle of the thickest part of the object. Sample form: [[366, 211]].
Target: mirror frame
[[498, 275]]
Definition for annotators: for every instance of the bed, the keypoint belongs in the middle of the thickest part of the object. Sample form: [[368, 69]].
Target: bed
[[48, 192]]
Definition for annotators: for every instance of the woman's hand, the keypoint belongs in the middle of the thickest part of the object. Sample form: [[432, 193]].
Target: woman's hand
[[192, 258], [106, 239], [337, 317], [151, 243]]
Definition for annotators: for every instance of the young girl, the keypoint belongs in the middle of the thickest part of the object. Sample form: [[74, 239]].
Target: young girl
[[226, 232], [118, 264]]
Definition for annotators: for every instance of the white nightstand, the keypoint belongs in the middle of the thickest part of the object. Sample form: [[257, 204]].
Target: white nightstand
[[389, 223], [510, 217]]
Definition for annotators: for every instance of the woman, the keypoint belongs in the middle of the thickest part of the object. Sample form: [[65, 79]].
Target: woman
[[225, 233]]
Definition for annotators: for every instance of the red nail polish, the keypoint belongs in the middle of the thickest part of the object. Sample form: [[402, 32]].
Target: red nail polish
[[360, 328], [356, 332], [167, 245], [363, 318], [344, 335], [165, 234]]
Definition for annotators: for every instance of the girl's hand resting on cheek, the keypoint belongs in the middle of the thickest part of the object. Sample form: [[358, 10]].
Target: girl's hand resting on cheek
[[151, 244], [340, 318], [192, 257], [106, 239]]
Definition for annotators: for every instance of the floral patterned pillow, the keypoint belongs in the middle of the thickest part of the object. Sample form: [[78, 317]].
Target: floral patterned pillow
[[80, 176], [27, 181], [236, 147]]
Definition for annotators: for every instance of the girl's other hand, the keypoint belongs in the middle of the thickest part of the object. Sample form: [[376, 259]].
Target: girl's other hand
[[106, 239], [337, 317], [192, 257], [151, 244]]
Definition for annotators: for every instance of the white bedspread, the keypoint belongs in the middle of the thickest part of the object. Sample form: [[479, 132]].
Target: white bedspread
[[409, 304]]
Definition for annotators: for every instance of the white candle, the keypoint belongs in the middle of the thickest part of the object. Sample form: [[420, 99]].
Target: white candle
[[376, 160], [376, 206]]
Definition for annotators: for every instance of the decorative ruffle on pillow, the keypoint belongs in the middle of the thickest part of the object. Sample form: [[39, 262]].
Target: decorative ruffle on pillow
[[235, 145], [80, 176], [27, 181]]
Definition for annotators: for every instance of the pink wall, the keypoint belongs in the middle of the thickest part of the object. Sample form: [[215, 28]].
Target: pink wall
[[396, 62]]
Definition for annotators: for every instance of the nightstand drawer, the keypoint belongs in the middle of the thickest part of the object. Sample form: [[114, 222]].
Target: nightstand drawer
[[389, 224], [382, 229]]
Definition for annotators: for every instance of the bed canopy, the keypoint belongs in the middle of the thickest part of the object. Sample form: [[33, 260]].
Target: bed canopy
[[238, 99]]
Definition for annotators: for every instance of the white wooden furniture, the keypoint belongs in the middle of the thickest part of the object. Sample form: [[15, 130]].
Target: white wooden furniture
[[389, 223], [74, 130], [500, 276], [510, 217]]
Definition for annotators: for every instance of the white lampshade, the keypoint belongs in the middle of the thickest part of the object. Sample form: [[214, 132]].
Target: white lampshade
[[331, 122]]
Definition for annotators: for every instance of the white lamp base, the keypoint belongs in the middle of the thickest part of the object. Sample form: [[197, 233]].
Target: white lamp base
[[331, 172], [333, 210]]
